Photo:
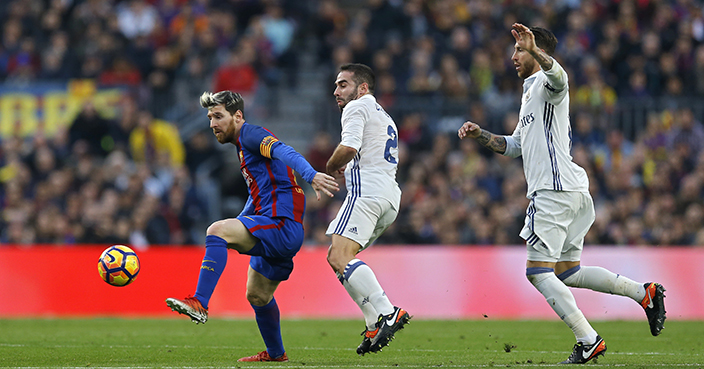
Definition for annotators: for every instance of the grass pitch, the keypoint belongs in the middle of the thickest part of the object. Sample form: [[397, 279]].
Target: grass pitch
[[177, 343]]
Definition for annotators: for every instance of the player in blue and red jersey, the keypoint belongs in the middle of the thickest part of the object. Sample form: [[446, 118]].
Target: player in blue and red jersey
[[269, 229]]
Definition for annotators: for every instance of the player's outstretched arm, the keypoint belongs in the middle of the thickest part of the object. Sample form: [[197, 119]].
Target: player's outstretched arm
[[485, 138], [339, 158], [320, 182], [324, 183]]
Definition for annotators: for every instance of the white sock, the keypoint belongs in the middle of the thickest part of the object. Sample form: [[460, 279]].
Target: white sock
[[370, 314], [361, 277], [563, 303], [603, 280]]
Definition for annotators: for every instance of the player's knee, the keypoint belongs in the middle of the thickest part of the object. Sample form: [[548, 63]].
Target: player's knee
[[258, 298], [336, 260], [331, 259], [216, 229], [536, 275]]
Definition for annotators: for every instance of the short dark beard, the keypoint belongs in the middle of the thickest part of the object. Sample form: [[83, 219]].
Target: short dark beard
[[348, 101], [527, 73]]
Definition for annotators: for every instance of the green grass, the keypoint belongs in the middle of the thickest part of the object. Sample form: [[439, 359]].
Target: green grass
[[177, 343]]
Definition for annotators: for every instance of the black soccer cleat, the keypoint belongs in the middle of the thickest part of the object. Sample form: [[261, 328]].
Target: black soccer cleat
[[654, 305], [582, 353], [366, 344], [388, 326]]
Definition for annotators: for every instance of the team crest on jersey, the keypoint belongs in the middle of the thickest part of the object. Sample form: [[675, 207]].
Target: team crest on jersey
[[241, 156], [526, 96]]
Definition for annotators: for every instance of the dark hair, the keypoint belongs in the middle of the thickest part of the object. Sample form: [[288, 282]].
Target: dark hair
[[544, 39], [360, 74], [231, 100]]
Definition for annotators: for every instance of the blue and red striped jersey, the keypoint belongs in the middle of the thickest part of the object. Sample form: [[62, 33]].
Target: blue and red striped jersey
[[273, 190]]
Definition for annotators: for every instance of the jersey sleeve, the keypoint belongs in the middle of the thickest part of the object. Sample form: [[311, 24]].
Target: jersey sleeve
[[513, 144], [557, 83], [258, 139], [293, 159], [353, 118]]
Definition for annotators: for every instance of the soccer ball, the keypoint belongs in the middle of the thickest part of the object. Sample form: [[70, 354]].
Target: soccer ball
[[118, 265]]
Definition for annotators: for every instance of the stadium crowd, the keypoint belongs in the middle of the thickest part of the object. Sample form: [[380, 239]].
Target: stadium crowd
[[141, 188]]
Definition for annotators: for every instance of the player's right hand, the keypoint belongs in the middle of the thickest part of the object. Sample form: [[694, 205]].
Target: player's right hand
[[325, 183], [469, 129]]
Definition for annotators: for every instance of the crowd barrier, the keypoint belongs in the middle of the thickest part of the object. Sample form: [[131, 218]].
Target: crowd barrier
[[431, 282]]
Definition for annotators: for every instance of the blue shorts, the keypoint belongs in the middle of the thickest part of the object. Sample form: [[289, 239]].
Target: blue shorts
[[279, 241]]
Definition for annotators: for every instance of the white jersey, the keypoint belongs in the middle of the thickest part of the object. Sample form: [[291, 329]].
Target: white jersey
[[367, 128], [543, 134]]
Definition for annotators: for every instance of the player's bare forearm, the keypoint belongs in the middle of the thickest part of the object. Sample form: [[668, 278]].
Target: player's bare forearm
[[542, 58], [340, 157], [485, 138], [491, 141]]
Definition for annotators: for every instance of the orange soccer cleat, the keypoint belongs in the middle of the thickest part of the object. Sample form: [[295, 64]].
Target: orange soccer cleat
[[366, 344], [654, 305], [264, 356], [190, 306]]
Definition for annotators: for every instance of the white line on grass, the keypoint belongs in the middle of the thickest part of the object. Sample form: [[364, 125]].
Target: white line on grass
[[370, 366], [308, 348]]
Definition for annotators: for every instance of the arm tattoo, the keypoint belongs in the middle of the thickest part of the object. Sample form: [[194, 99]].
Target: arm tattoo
[[491, 141], [543, 59]]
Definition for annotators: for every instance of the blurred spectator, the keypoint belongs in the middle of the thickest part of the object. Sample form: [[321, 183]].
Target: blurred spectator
[[140, 52], [453, 83], [481, 72], [585, 133], [419, 81], [687, 135], [120, 73], [136, 18], [612, 155], [191, 80], [200, 150], [152, 138], [594, 95], [186, 20], [413, 132], [280, 32], [238, 74], [320, 150], [89, 128], [330, 28]]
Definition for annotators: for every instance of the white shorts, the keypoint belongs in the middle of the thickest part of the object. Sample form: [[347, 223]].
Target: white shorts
[[556, 224], [363, 219]]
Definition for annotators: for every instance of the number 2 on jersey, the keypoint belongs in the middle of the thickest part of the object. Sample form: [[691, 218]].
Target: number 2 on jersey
[[391, 143]]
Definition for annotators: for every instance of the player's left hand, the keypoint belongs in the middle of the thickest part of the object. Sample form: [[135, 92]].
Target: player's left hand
[[525, 39], [324, 183]]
